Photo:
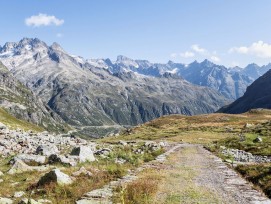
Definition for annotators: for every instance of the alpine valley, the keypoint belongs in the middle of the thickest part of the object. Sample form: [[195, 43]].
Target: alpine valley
[[58, 87]]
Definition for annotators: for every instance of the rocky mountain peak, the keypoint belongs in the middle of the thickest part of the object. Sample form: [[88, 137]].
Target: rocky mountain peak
[[9, 46], [121, 58], [207, 63], [56, 47]]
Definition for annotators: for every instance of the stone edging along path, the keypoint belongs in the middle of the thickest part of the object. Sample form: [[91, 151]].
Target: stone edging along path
[[234, 183]]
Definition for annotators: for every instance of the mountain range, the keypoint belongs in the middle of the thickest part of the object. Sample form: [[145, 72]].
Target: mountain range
[[101, 92]]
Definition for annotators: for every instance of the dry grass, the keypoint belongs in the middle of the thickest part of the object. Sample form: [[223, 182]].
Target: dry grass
[[140, 191], [201, 129]]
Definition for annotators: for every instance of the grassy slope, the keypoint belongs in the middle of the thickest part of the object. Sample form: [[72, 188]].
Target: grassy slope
[[201, 129], [215, 130], [14, 123]]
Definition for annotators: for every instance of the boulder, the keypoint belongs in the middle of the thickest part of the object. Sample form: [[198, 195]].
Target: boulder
[[1, 173], [55, 176], [120, 161], [2, 126], [85, 153], [82, 171], [47, 150], [18, 194], [104, 151], [123, 143], [30, 158], [258, 140], [28, 201], [66, 160], [18, 167], [5, 201], [44, 201]]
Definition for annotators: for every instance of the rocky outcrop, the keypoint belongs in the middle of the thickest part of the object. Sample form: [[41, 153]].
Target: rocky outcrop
[[243, 156], [85, 153], [26, 144]]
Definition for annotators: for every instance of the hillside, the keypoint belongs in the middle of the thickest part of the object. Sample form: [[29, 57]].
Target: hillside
[[20, 102], [257, 96]]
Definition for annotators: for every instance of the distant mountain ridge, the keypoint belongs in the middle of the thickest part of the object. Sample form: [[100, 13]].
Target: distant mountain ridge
[[258, 95], [102, 92], [231, 82]]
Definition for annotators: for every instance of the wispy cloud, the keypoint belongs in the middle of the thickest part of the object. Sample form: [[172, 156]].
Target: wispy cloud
[[59, 35], [198, 49], [215, 58], [258, 49], [187, 54], [43, 20]]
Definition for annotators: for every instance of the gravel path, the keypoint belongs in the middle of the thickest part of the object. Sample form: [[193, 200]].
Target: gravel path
[[217, 177]]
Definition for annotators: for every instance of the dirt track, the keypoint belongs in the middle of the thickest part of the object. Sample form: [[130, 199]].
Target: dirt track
[[197, 176]]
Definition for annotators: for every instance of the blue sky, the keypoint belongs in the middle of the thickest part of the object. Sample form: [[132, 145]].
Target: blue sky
[[228, 32]]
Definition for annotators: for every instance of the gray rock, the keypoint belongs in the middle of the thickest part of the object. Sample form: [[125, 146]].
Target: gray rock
[[123, 143], [5, 201], [258, 140], [47, 150], [55, 176], [18, 167], [44, 201], [85, 153], [29, 158], [18, 194], [120, 161], [66, 160], [2, 126], [28, 201], [82, 171], [104, 151], [1, 173]]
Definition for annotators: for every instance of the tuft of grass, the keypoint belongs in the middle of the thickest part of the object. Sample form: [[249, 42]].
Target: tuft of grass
[[140, 191]]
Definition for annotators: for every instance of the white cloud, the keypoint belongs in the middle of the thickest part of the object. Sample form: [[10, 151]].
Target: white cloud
[[43, 20], [173, 55], [198, 49], [59, 35], [187, 54], [215, 58], [259, 49], [235, 64]]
